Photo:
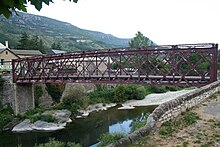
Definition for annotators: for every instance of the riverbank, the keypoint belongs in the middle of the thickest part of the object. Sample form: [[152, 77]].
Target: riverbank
[[203, 132], [155, 99]]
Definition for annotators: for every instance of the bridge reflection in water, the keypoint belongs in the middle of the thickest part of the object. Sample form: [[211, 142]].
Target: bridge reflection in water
[[179, 65]]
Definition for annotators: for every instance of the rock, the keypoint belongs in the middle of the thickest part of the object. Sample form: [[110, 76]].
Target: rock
[[11, 124], [24, 126], [95, 107], [126, 107], [60, 115], [45, 101], [69, 86], [45, 126], [62, 118]]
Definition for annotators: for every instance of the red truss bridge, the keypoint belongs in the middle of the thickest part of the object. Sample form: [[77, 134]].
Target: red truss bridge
[[179, 65]]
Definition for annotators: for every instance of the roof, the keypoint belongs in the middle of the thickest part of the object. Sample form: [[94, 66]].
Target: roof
[[1, 50], [2, 46], [56, 51], [27, 52]]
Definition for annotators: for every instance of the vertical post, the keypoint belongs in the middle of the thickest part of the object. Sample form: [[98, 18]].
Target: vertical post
[[215, 63], [13, 71], [139, 63], [120, 64]]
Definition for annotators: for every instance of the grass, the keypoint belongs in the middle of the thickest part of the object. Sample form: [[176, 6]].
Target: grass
[[108, 138], [187, 118]]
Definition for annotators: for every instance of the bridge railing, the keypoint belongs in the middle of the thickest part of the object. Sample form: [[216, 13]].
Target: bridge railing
[[181, 65]]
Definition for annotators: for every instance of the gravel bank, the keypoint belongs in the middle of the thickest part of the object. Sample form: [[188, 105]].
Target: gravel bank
[[154, 99]]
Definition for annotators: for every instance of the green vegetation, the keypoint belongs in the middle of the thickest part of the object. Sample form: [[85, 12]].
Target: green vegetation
[[121, 93], [72, 38], [6, 116], [38, 92], [139, 40], [187, 118], [36, 114], [55, 91], [108, 138], [139, 123], [77, 95], [55, 143], [33, 43]]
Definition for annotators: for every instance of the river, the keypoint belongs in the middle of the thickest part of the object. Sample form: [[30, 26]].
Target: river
[[85, 131]]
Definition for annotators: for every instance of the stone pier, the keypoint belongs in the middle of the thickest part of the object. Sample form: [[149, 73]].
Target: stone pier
[[19, 96]]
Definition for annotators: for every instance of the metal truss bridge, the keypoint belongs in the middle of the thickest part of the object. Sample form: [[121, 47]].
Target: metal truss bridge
[[179, 65]]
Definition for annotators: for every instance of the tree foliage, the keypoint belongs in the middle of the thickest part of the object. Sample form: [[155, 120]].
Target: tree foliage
[[30, 43], [9, 6], [139, 40], [56, 46]]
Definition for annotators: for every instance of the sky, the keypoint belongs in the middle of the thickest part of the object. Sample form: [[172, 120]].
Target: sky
[[165, 22]]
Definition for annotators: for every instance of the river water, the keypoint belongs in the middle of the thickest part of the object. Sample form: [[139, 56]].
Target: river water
[[85, 131]]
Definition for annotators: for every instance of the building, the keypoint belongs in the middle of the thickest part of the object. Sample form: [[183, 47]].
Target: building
[[52, 51], [7, 55]]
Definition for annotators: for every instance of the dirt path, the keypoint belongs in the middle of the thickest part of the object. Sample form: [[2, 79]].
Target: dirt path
[[204, 132]]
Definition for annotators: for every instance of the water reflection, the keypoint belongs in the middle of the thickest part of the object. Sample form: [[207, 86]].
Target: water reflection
[[85, 131]]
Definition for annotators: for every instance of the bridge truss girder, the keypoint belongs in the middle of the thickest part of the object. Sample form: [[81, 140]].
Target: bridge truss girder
[[179, 65]]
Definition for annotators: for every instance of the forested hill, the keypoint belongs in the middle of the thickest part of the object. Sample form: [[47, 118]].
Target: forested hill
[[51, 31]]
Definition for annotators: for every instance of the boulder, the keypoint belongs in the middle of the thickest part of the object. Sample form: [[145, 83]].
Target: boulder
[[24, 126], [45, 126], [60, 115]]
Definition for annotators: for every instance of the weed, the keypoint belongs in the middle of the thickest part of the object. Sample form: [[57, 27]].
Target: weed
[[185, 144], [108, 138]]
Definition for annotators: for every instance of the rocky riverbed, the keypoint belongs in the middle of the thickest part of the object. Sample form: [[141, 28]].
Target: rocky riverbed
[[62, 117], [154, 99]]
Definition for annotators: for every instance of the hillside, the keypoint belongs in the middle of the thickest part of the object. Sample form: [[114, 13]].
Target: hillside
[[50, 30]]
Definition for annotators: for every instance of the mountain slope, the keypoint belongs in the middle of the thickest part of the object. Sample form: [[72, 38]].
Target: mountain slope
[[50, 30]]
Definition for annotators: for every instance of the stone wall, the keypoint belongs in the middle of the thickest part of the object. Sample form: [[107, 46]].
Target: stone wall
[[19, 96], [24, 98], [8, 94], [170, 110]]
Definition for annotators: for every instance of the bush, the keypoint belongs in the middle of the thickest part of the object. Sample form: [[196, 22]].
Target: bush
[[190, 117], [128, 92], [108, 138], [104, 96], [38, 92], [55, 92], [139, 123], [54, 143], [6, 116], [36, 114], [77, 96]]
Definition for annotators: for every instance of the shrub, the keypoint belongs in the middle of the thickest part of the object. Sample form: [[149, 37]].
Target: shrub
[[104, 96], [120, 94], [139, 123], [128, 92], [38, 92], [76, 96], [55, 92], [190, 117], [6, 116], [36, 114], [55, 143], [141, 92], [108, 138]]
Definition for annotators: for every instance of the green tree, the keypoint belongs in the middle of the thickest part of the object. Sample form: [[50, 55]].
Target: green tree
[[56, 46], [139, 40], [34, 42], [9, 6], [24, 42]]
